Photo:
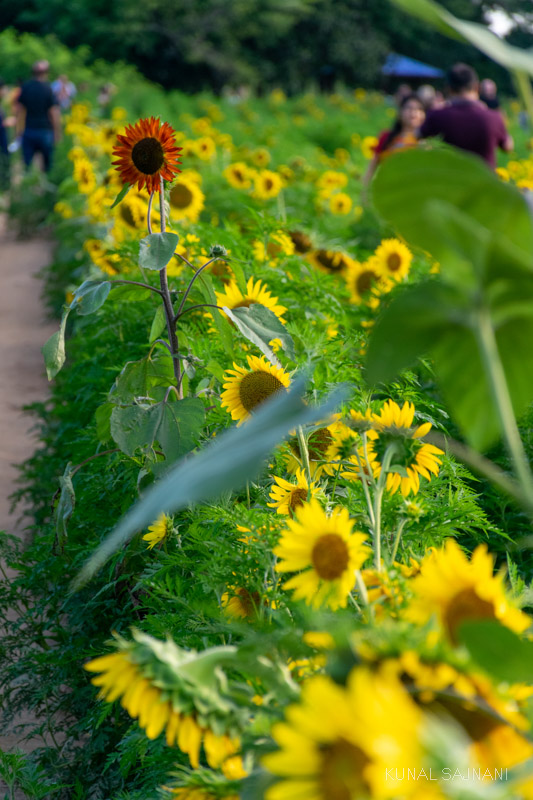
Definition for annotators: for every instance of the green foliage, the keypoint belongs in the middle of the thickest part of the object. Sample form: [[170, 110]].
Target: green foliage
[[156, 250], [260, 326]]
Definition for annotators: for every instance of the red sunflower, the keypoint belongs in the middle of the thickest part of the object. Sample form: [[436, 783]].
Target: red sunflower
[[146, 153]]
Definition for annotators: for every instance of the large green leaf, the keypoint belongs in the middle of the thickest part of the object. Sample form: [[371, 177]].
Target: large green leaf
[[513, 58], [90, 296], [224, 465], [156, 250], [498, 650], [260, 326], [174, 425], [137, 378], [53, 349], [405, 185]]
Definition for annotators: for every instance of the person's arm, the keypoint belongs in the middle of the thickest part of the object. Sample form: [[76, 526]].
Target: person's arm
[[20, 119], [505, 140]]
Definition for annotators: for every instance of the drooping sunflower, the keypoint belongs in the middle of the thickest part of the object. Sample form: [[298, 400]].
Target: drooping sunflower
[[394, 258], [186, 199], [267, 184], [239, 175], [256, 292], [362, 279], [340, 203], [245, 389], [326, 446], [287, 497], [457, 589], [324, 551], [159, 531], [392, 427], [332, 261], [128, 675], [147, 152], [301, 241], [347, 742]]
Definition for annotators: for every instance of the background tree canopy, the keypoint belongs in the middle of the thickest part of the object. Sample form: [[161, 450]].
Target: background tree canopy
[[196, 44]]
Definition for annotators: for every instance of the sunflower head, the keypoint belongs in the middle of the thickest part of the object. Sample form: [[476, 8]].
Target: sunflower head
[[245, 389], [147, 152]]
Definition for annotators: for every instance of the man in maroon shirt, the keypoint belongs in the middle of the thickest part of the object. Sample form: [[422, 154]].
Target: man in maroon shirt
[[466, 122]]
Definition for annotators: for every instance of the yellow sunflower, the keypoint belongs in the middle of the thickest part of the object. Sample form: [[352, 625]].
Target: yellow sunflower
[[256, 292], [101, 257], [239, 175], [458, 589], [260, 157], [277, 245], [286, 496], [368, 146], [245, 389], [159, 531], [340, 203], [326, 445], [84, 175], [332, 261], [205, 148], [301, 241], [391, 428], [347, 742], [394, 258], [131, 213], [326, 553], [267, 184], [238, 602], [186, 199], [145, 153], [363, 279], [330, 181]]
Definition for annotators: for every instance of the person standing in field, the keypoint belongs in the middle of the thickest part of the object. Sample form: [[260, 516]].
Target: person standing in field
[[466, 122], [38, 119], [402, 135], [65, 91]]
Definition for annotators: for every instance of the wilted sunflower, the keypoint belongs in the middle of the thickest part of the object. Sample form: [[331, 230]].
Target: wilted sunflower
[[392, 428], [246, 389], [256, 292], [147, 152], [326, 553], [239, 175], [159, 531], [301, 241], [288, 496], [457, 589], [394, 258], [340, 203], [267, 184], [186, 199], [347, 742]]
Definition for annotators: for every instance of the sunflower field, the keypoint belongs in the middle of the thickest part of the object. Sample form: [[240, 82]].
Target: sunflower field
[[283, 495]]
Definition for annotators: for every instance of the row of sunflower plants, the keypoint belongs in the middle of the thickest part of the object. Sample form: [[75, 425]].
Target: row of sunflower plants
[[312, 626]]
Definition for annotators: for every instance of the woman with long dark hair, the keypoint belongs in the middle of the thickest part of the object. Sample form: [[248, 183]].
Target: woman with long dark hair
[[402, 135]]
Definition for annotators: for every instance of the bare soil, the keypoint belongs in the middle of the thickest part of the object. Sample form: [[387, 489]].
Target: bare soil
[[23, 331]]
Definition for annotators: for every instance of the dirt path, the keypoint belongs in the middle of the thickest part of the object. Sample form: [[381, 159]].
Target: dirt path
[[23, 330]]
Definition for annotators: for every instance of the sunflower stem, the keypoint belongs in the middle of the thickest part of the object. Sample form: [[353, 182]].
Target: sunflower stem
[[167, 302], [363, 479], [378, 498], [397, 538], [362, 587], [189, 287], [304, 453], [502, 400]]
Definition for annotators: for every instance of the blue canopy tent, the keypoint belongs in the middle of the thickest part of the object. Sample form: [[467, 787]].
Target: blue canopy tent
[[397, 66]]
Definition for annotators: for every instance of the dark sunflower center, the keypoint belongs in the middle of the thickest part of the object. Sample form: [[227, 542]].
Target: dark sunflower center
[[180, 196], [301, 241], [237, 173], [127, 215], [394, 262], [476, 722], [249, 601], [256, 387], [269, 183], [317, 444], [298, 497], [148, 155], [330, 556], [341, 771], [365, 281], [466, 605], [329, 261]]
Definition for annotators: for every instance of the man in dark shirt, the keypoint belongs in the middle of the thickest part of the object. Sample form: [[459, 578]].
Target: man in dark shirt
[[38, 116], [466, 122]]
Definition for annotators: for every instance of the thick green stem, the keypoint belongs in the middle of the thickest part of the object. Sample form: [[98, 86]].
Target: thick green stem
[[378, 499], [502, 400], [304, 454], [167, 303], [397, 538], [364, 477]]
